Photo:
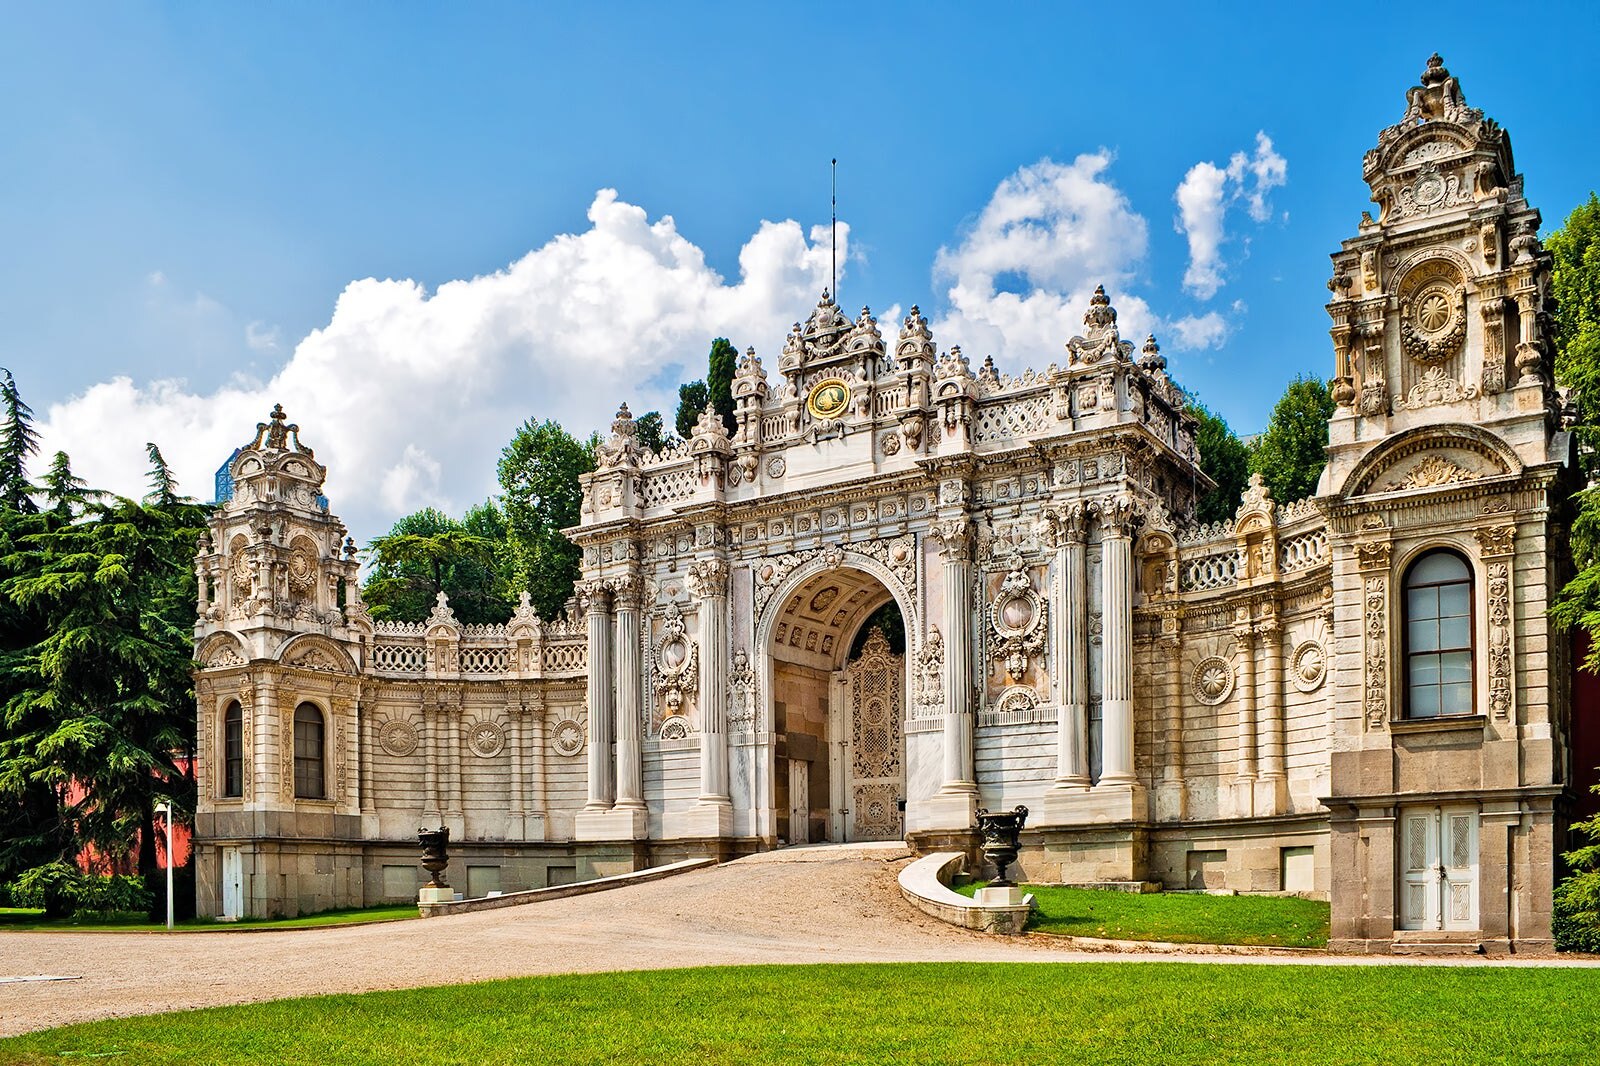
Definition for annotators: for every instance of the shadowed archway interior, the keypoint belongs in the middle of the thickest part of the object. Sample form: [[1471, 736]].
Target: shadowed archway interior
[[838, 699]]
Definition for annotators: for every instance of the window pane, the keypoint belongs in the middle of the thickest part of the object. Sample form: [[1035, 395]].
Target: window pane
[[1422, 634], [1422, 603], [1455, 600], [1455, 668], [1424, 702], [1437, 567], [1424, 670], [1455, 699], [1455, 633]]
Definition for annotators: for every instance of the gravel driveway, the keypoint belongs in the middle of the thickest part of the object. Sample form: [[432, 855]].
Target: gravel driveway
[[813, 906]]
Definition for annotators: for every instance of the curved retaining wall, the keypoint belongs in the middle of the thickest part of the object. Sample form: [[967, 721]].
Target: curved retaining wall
[[926, 884]]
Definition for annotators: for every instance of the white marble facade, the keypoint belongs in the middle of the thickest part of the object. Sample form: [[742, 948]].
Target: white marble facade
[[1233, 705]]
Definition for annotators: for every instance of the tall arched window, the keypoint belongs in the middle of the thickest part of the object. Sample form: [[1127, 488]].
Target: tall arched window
[[233, 750], [309, 780], [1438, 636]]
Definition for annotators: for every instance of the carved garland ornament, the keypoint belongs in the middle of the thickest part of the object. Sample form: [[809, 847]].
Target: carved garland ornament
[[1213, 680], [1017, 617], [1433, 322], [1500, 639], [1376, 684], [677, 663]]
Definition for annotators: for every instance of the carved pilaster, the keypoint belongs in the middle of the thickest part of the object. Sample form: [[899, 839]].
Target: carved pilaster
[[1375, 661]]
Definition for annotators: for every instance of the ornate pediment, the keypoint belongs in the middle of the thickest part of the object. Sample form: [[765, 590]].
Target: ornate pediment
[[221, 652], [1432, 458], [311, 653]]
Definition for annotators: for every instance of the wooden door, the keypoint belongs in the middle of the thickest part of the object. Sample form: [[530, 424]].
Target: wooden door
[[232, 884], [799, 801]]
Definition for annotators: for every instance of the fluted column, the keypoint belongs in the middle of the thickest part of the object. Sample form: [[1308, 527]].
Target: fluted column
[[598, 599], [1072, 650], [1270, 643], [1246, 763], [630, 694], [955, 536], [517, 713], [708, 580], [430, 758], [1171, 645], [1116, 598]]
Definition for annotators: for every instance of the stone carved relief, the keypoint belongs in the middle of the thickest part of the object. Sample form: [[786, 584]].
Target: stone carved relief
[[1373, 555], [1017, 621], [486, 739], [1433, 313], [567, 738], [742, 694], [677, 663], [398, 737], [1497, 540], [1376, 684], [674, 727], [1432, 472], [930, 672], [899, 555], [1500, 639], [1213, 680], [1308, 666], [1435, 387]]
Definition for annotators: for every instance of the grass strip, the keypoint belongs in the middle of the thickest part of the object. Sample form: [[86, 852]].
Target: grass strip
[[1179, 918], [1107, 1013]]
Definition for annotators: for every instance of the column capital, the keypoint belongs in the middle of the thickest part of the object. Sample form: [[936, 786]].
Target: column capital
[[1064, 524], [626, 591], [955, 535], [1118, 515], [708, 578], [594, 597]]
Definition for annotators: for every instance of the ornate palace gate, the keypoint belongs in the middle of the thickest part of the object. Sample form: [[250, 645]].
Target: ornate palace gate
[[875, 752]]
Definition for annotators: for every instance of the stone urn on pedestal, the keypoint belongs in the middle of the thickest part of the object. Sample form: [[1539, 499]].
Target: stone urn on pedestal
[[1002, 838], [435, 845]]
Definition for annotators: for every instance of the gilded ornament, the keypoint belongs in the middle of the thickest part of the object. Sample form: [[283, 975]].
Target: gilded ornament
[[828, 398]]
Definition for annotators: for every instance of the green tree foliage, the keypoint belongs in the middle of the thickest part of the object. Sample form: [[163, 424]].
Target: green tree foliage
[[19, 441], [1575, 279], [720, 368], [692, 399], [652, 431], [1576, 920], [1292, 452], [98, 694], [539, 473], [429, 552], [1224, 459], [64, 491]]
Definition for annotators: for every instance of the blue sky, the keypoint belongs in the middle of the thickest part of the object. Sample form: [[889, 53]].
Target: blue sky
[[193, 190]]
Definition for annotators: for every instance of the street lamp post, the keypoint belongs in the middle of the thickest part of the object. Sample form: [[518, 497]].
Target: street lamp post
[[165, 809]]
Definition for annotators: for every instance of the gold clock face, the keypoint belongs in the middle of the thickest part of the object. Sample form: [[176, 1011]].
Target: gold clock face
[[828, 398]]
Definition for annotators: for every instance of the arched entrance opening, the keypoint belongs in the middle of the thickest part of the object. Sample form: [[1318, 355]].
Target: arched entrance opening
[[838, 683]]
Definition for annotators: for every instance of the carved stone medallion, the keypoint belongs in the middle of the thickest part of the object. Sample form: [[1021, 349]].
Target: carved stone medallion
[[398, 737], [1308, 666], [1213, 680], [486, 739], [567, 737]]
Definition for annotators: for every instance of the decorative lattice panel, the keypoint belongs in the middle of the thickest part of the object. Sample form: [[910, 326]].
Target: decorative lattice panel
[[1019, 417], [399, 658], [1211, 571]]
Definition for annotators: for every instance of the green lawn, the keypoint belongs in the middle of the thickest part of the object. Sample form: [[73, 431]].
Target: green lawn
[[1280, 921], [1106, 1013], [16, 918]]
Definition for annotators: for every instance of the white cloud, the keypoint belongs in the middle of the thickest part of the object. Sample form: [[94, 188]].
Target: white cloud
[[1053, 231], [408, 396], [1204, 197], [1203, 331], [259, 337]]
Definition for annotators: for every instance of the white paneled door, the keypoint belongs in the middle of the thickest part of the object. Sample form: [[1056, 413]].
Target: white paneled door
[[232, 884], [1439, 868]]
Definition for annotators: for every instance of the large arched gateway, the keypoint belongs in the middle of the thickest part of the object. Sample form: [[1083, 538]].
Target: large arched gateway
[[1295, 699]]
